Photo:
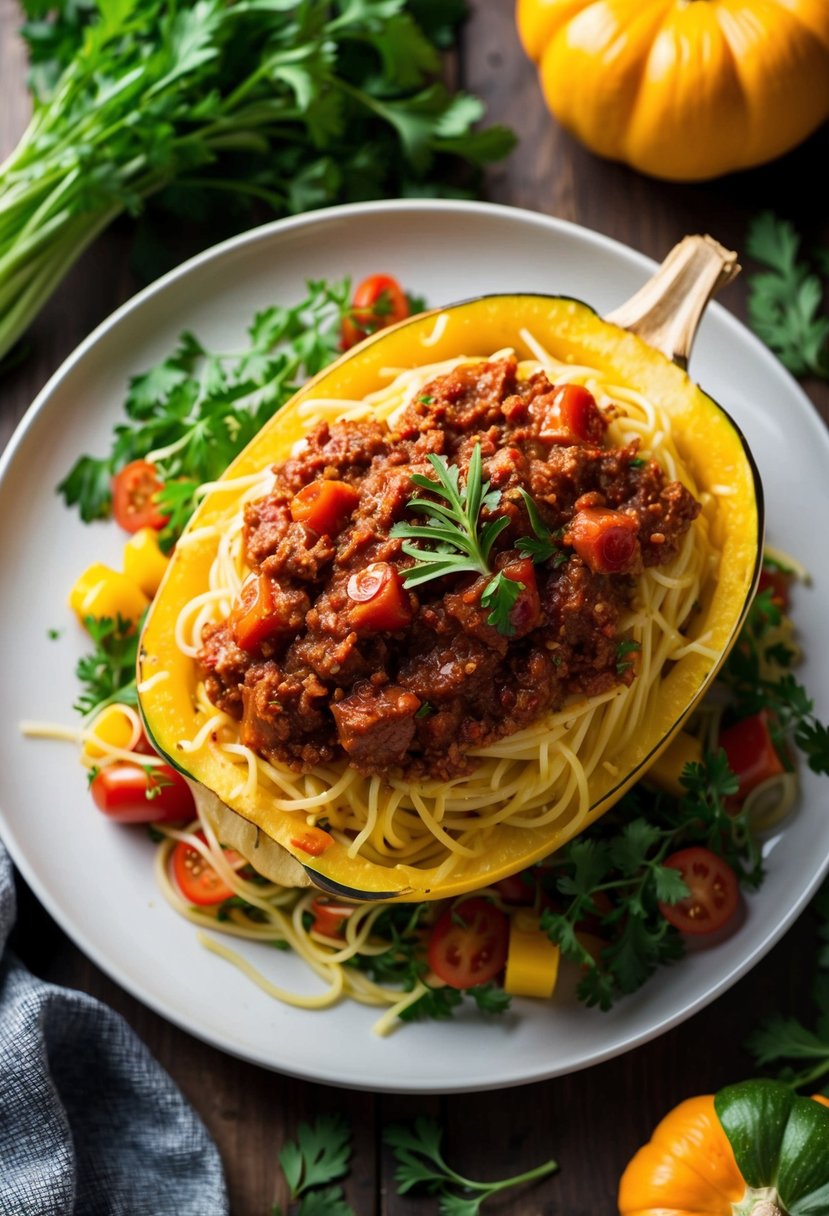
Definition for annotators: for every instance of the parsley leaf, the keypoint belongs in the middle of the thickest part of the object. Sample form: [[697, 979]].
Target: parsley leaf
[[779, 1039], [108, 673], [420, 1163], [785, 303], [196, 409], [319, 1155]]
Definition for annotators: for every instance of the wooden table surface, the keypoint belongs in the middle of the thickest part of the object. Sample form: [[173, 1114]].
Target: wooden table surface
[[591, 1121]]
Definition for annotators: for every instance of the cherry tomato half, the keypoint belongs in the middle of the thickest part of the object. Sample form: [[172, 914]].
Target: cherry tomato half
[[751, 753], [128, 793], [714, 891], [468, 945], [329, 916], [777, 582], [133, 497], [198, 882], [377, 302]]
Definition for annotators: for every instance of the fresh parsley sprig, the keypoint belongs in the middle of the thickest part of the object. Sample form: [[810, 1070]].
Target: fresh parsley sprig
[[614, 877], [800, 1053], [786, 305], [457, 541], [319, 1156], [194, 411], [420, 1163], [108, 673]]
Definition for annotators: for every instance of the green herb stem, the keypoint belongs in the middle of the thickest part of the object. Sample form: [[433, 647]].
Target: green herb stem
[[147, 94]]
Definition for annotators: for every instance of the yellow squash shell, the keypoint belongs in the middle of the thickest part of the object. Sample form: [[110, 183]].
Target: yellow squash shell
[[707, 440]]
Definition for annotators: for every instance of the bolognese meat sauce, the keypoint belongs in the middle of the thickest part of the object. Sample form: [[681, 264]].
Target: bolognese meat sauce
[[326, 653]]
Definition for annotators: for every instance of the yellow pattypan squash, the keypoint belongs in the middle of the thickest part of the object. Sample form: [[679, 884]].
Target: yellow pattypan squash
[[682, 89]]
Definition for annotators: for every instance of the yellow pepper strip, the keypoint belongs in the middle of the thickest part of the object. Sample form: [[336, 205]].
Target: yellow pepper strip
[[113, 728], [665, 772], [144, 562], [101, 592], [532, 959]]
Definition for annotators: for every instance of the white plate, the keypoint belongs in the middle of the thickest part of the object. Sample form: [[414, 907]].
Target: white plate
[[95, 878]]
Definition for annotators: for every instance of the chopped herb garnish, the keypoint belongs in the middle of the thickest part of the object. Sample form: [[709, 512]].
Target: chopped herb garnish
[[53, 634], [425, 710], [626, 647], [426, 399]]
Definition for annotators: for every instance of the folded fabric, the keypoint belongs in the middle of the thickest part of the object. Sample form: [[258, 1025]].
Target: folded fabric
[[90, 1124]]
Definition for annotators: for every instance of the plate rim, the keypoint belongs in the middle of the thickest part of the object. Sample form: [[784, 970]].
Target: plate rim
[[264, 233]]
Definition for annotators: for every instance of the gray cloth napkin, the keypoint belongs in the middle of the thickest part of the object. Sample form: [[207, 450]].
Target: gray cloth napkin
[[90, 1124]]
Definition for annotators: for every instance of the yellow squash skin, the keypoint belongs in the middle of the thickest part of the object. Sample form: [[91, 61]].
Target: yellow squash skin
[[686, 1169], [708, 440], [682, 89]]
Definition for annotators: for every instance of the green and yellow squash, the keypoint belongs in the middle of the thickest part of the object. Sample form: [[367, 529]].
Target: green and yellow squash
[[753, 1149], [709, 442]]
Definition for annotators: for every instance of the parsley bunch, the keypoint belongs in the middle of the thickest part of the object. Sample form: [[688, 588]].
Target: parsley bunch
[[786, 301], [291, 105]]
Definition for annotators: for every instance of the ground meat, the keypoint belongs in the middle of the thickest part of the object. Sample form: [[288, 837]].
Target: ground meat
[[430, 672]]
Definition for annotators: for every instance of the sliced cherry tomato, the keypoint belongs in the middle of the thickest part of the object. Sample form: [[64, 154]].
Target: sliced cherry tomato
[[128, 793], [377, 302], [604, 539], [133, 497], [468, 945], [571, 415], [777, 582], [329, 916], [378, 598], [257, 613], [198, 882], [751, 753], [714, 891], [324, 505], [517, 889]]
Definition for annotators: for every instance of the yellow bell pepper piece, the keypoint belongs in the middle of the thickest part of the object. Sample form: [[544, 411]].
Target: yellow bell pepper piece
[[101, 591], [144, 562], [665, 772], [112, 727], [532, 959]]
